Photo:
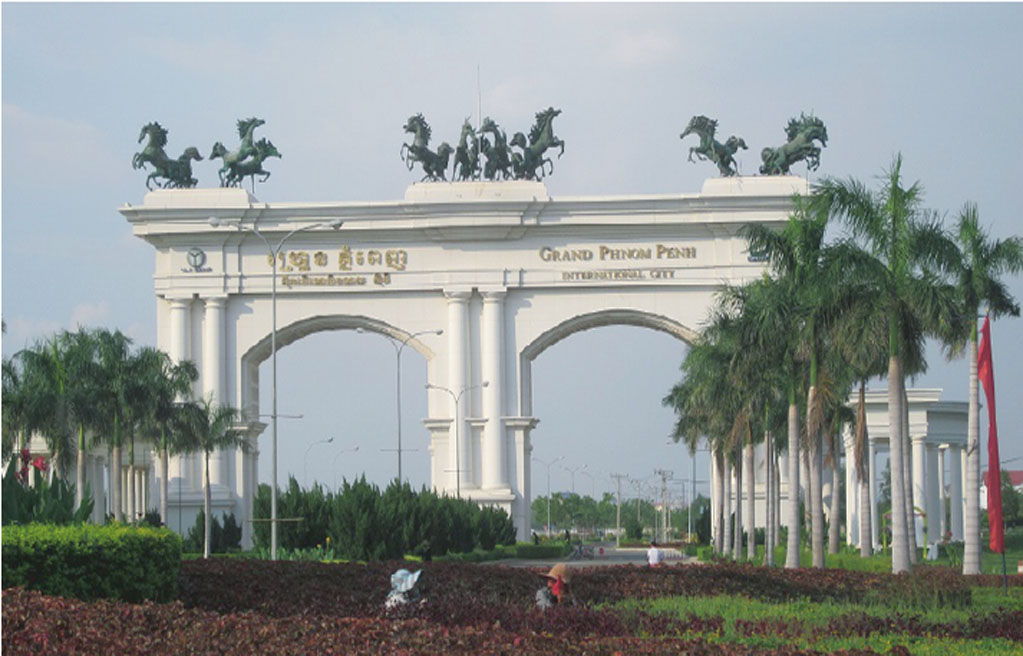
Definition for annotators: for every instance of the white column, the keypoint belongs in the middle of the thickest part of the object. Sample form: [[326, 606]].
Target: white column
[[180, 320], [955, 492], [852, 524], [494, 468], [919, 486], [874, 528], [213, 376], [935, 509], [458, 366], [140, 499]]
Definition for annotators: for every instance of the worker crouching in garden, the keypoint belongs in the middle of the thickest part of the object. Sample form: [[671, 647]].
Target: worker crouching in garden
[[556, 590]]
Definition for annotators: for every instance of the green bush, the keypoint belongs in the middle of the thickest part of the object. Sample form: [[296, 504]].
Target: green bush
[[363, 523], [223, 538], [91, 562]]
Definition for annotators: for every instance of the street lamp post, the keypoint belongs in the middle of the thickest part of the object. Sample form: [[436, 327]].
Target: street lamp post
[[572, 471], [398, 348], [548, 466], [333, 465], [305, 458], [456, 399], [274, 252]]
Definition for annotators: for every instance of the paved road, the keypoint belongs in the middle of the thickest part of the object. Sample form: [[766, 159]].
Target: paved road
[[611, 556]]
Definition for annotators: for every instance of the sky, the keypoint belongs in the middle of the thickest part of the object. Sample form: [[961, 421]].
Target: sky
[[938, 83]]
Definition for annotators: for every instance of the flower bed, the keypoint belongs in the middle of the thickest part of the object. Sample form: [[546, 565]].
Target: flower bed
[[250, 606]]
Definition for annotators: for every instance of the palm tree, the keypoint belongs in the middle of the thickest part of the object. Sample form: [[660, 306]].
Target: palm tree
[[172, 385], [15, 405], [49, 400], [204, 427], [889, 222], [79, 350], [976, 265], [114, 352], [811, 271]]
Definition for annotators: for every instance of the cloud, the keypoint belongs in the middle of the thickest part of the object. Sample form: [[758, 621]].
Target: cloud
[[646, 48], [89, 315], [41, 148]]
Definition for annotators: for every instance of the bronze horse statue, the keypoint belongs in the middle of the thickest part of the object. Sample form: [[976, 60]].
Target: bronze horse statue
[[497, 153], [467, 154], [722, 154], [434, 163], [801, 135], [177, 173], [236, 171], [529, 164]]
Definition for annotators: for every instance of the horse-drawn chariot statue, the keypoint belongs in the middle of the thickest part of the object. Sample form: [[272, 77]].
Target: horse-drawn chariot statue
[[246, 160]]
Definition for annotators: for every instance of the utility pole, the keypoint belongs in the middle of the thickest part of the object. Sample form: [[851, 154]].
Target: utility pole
[[665, 475], [618, 521]]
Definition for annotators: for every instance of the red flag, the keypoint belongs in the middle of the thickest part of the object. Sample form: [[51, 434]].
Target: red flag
[[986, 373]]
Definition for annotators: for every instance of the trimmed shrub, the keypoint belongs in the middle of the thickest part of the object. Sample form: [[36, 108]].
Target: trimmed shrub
[[92, 562]]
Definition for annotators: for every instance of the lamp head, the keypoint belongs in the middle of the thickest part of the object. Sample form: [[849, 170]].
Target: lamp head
[[335, 224]]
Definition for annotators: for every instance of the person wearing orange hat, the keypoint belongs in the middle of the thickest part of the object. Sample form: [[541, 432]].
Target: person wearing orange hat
[[556, 591]]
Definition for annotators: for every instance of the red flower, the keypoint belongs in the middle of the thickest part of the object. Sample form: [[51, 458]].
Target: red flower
[[40, 464]]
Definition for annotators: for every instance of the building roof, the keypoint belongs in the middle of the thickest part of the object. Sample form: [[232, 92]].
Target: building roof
[[1015, 477]]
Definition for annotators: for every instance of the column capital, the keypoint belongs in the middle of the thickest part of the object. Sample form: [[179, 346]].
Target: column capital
[[214, 301], [179, 301], [493, 295], [457, 295]]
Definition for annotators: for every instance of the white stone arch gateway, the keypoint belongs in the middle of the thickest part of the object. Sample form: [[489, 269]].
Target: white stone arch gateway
[[502, 267]]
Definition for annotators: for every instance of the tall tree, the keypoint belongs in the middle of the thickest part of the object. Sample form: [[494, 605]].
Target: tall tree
[[114, 352], [204, 427], [976, 264], [892, 224]]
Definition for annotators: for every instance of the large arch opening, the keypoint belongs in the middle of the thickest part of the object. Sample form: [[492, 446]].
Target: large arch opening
[[337, 389], [597, 393]]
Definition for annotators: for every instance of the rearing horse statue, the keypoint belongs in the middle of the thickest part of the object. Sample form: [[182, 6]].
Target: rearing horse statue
[[246, 149], [497, 154], [467, 154], [434, 163], [801, 136], [722, 154], [541, 138], [177, 173]]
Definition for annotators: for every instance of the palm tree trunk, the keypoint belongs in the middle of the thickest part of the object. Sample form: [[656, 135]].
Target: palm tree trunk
[[164, 484], [777, 504], [206, 504], [748, 468], [726, 473], [719, 502], [80, 469], [907, 465], [133, 512], [814, 492], [115, 479], [900, 540], [768, 499], [863, 466], [971, 519], [792, 546], [738, 535], [834, 528], [866, 534]]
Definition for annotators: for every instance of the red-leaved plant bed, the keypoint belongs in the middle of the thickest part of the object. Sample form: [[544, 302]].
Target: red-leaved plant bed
[[34, 624], [251, 606]]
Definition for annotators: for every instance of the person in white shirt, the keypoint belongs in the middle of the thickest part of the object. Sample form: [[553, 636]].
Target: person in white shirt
[[653, 555]]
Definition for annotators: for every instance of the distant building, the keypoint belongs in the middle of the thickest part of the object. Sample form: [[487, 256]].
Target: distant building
[[1015, 477]]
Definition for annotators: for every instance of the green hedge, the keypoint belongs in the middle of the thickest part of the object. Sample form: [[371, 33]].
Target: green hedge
[[91, 562]]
